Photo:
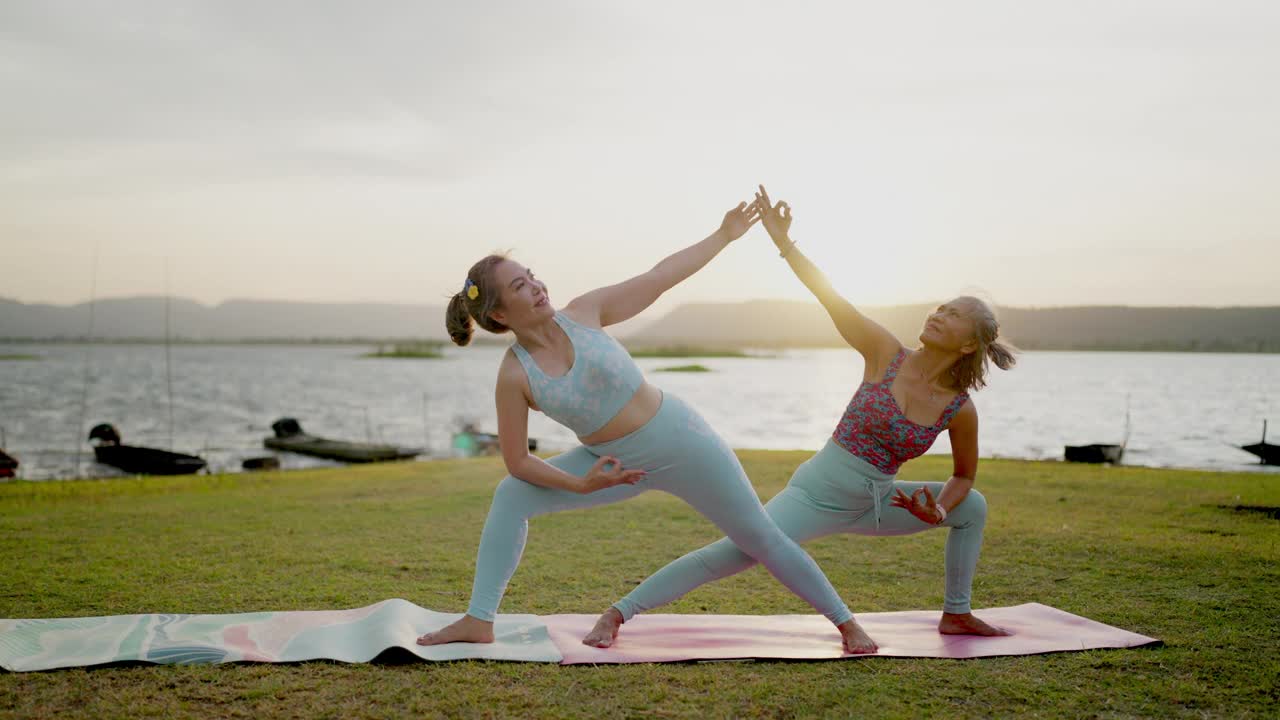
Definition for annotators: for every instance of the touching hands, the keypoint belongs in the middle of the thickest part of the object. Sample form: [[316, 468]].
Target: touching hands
[[738, 221], [775, 218], [600, 476], [925, 509]]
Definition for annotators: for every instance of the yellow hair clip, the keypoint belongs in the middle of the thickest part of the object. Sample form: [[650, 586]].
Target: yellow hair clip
[[472, 291]]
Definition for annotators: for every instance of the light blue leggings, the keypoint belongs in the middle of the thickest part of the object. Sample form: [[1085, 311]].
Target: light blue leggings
[[832, 492], [682, 456]]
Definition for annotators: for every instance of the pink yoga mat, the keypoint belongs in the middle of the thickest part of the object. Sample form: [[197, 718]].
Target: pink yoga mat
[[671, 638]]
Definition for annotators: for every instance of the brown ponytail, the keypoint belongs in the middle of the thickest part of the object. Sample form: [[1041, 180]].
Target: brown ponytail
[[970, 371], [463, 310]]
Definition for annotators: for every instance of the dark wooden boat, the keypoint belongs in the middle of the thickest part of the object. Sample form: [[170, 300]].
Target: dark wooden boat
[[8, 465], [1268, 453], [269, 462], [140, 460], [1100, 452], [289, 436], [1096, 453]]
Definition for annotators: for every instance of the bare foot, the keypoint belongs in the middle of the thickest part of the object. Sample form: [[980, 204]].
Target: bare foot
[[606, 629], [967, 624], [468, 629], [856, 641]]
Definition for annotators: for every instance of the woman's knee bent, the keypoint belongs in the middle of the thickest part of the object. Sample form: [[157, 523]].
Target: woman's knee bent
[[972, 511], [514, 496]]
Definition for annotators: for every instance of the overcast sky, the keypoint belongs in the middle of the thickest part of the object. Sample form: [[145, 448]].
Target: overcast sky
[[1041, 153]]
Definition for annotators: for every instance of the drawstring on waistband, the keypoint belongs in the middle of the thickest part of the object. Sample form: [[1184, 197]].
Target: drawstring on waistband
[[875, 498]]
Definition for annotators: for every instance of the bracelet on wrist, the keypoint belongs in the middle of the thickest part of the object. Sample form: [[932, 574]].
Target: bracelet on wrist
[[942, 513], [783, 252]]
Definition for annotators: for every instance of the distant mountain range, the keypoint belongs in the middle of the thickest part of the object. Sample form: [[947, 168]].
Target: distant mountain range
[[774, 323], [757, 323]]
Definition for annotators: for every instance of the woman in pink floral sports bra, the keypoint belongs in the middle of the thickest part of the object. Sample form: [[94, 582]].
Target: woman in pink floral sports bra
[[905, 400]]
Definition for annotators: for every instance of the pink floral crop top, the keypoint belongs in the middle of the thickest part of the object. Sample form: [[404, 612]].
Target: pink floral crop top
[[874, 428]]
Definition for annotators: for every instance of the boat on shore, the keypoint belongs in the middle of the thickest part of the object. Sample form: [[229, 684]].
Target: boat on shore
[[8, 465], [290, 436], [140, 460], [1268, 453], [1097, 453]]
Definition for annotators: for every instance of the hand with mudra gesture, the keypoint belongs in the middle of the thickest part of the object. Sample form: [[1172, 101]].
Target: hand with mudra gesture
[[776, 220], [927, 510]]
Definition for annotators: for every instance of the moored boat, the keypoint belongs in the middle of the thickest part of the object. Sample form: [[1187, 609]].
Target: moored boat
[[140, 460], [290, 436], [1268, 453], [1095, 453], [8, 465]]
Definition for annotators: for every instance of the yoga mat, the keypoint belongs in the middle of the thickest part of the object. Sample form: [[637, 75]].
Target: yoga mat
[[361, 634], [671, 638], [357, 635]]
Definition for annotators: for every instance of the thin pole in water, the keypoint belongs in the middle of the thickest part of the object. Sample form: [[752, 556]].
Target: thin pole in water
[[168, 363], [426, 427], [88, 348]]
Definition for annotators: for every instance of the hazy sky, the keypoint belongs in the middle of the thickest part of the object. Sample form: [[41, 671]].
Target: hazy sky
[[1044, 153]]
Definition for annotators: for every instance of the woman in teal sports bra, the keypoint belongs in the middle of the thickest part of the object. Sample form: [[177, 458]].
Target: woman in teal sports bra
[[634, 436], [907, 398]]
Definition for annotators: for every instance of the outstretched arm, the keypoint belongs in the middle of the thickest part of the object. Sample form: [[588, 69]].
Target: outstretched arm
[[615, 303], [863, 334]]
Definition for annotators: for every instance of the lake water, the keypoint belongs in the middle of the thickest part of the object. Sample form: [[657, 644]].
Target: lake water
[[1188, 410]]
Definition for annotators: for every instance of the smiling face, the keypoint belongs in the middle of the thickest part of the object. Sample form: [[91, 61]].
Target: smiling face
[[524, 300], [950, 327]]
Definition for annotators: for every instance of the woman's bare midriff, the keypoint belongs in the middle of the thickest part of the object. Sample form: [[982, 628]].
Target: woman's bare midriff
[[639, 410]]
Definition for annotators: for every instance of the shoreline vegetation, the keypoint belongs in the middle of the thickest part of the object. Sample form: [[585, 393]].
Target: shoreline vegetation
[[1180, 555], [416, 350], [686, 369], [685, 351]]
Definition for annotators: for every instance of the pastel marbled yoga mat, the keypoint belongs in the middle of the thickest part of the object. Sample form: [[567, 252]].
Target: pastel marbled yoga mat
[[361, 634], [357, 635], [1036, 629]]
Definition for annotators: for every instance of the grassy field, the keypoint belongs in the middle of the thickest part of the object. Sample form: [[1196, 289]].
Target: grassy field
[[1151, 551]]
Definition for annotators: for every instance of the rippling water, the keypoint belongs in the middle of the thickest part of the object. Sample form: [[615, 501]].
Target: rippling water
[[1188, 410]]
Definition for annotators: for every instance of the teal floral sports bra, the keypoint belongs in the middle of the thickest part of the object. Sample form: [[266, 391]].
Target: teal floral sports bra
[[601, 382]]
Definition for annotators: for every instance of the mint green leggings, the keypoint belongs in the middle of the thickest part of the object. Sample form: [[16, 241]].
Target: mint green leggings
[[832, 492], [682, 456]]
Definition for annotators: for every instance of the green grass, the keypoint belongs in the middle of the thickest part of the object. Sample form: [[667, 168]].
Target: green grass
[[19, 356], [686, 351], [1147, 550], [428, 350], [686, 368]]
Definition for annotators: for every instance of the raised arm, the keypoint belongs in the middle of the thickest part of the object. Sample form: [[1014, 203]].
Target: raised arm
[[513, 438], [615, 303], [876, 344]]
